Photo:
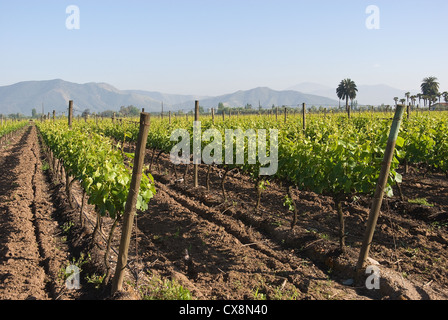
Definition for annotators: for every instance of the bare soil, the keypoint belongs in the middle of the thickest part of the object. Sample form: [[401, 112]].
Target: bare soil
[[216, 249], [35, 247], [239, 252]]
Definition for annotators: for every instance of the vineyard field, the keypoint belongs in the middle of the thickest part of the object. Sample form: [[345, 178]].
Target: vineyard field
[[238, 235]]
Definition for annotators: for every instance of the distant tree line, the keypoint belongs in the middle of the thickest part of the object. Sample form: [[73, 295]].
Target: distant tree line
[[430, 95], [124, 112], [14, 116]]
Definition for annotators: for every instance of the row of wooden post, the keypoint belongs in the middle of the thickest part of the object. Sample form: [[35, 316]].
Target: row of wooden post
[[196, 114], [276, 114], [276, 117], [408, 111], [379, 193], [130, 208]]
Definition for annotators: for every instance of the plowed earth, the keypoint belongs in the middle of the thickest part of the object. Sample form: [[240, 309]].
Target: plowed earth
[[217, 249], [33, 247]]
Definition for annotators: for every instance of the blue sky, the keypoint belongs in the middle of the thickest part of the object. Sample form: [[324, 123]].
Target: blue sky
[[212, 47]]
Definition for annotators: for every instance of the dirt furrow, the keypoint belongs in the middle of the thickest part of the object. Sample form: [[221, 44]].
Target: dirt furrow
[[231, 258], [22, 274], [34, 248], [52, 240], [316, 235], [221, 265]]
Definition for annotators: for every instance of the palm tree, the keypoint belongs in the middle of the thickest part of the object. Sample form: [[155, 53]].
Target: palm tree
[[425, 99], [413, 99], [407, 95], [396, 101], [445, 96], [430, 88], [347, 90], [402, 101]]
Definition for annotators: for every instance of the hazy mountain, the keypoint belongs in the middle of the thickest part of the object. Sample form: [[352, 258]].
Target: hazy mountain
[[266, 97], [55, 94], [168, 99], [310, 87], [367, 94], [378, 94]]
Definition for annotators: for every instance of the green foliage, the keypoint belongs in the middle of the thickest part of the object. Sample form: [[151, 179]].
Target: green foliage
[[288, 203], [426, 140], [334, 155], [421, 201], [92, 159], [96, 280], [129, 111], [11, 127], [158, 289], [430, 87]]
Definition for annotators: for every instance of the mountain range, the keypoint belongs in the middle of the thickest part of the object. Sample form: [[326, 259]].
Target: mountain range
[[49, 95]]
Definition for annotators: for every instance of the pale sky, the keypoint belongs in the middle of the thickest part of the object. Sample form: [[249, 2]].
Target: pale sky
[[213, 47]]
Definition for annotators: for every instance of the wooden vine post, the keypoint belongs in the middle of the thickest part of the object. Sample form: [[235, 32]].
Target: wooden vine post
[[196, 165], [379, 192], [342, 235], [70, 113], [304, 116], [130, 208]]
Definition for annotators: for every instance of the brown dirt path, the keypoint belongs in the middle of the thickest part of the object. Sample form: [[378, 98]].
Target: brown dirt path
[[33, 248]]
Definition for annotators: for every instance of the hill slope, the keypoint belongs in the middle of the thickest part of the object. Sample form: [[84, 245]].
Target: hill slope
[[54, 95], [97, 97], [266, 97]]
